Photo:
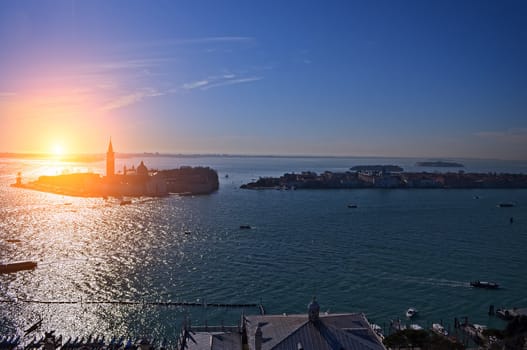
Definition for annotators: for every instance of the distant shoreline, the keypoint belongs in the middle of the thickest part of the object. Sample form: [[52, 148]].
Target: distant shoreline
[[388, 180], [95, 157], [440, 164]]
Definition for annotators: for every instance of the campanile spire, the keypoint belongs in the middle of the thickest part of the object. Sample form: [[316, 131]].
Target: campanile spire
[[110, 160]]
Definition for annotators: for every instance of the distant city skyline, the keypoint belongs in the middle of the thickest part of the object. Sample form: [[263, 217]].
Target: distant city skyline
[[431, 79]]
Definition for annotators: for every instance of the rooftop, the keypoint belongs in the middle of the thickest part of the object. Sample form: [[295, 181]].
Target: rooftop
[[332, 331]]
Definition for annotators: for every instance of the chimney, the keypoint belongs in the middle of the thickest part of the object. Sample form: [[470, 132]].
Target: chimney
[[313, 310], [258, 338]]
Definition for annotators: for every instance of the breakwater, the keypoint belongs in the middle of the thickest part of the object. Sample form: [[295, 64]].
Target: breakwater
[[141, 302]]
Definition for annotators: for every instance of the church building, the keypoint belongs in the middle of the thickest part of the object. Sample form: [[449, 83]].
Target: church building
[[135, 182]]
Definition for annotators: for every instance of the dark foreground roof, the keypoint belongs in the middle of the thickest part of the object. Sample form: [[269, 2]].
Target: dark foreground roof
[[214, 341], [332, 332]]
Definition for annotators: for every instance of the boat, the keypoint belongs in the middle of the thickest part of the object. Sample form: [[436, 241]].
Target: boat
[[439, 329], [352, 206], [17, 266], [33, 327], [415, 327], [397, 325], [411, 312], [509, 314], [475, 332], [484, 284], [377, 329], [245, 227], [506, 205]]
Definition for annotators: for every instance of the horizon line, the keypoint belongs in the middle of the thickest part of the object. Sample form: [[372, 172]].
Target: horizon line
[[72, 156]]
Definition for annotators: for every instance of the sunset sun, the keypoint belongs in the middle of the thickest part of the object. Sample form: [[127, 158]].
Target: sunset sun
[[57, 150]]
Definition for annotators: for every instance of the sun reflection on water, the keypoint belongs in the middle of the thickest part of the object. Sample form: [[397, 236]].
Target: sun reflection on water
[[90, 252]]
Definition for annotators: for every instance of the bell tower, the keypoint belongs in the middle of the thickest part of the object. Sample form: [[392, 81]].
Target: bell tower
[[110, 160]]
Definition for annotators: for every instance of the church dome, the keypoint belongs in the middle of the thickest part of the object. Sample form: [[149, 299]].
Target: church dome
[[142, 170]]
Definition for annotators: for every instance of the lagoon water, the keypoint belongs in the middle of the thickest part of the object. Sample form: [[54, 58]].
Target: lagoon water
[[399, 248]]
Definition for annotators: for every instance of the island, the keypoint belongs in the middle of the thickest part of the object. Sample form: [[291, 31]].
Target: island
[[388, 179], [440, 164], [377, 168], [132, 182]]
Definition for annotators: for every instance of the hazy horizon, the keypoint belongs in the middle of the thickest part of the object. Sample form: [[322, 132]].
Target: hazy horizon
[[102, 155], [434, 79]]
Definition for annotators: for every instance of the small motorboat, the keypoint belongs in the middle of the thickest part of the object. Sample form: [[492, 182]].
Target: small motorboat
[[484, 284], [439, 329], [411, 312], [377, 329], [352, 206], [33, 327], [506, 205], [397, 325], [415, 327], [245, 227]]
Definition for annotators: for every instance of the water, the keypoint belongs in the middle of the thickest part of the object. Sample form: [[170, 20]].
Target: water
[[399, 248]]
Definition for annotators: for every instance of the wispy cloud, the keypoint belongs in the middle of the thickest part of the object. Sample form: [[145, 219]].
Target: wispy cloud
[[514, 135], [130, 98], [195, 84], [231, 82], [217, 81], [6, 94]]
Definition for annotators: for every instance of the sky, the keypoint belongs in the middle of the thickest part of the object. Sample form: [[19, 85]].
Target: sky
[[432, 79]]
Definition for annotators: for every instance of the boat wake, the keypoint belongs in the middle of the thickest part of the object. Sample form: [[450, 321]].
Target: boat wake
[[439, 282]]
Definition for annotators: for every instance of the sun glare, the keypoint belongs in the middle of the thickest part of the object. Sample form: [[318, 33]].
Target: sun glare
[[57, 150]]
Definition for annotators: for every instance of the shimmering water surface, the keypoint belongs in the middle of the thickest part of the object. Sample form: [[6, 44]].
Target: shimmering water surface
[[399, 248]]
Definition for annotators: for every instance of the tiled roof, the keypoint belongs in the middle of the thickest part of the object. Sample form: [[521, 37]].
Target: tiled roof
[[214, 341], [338, 331]]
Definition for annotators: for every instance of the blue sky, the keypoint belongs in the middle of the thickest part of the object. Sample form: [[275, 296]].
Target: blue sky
[[360, 78]]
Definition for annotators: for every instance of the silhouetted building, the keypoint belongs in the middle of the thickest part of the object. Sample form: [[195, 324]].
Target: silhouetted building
[[110, 161], [133, 182], [142, 170]]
